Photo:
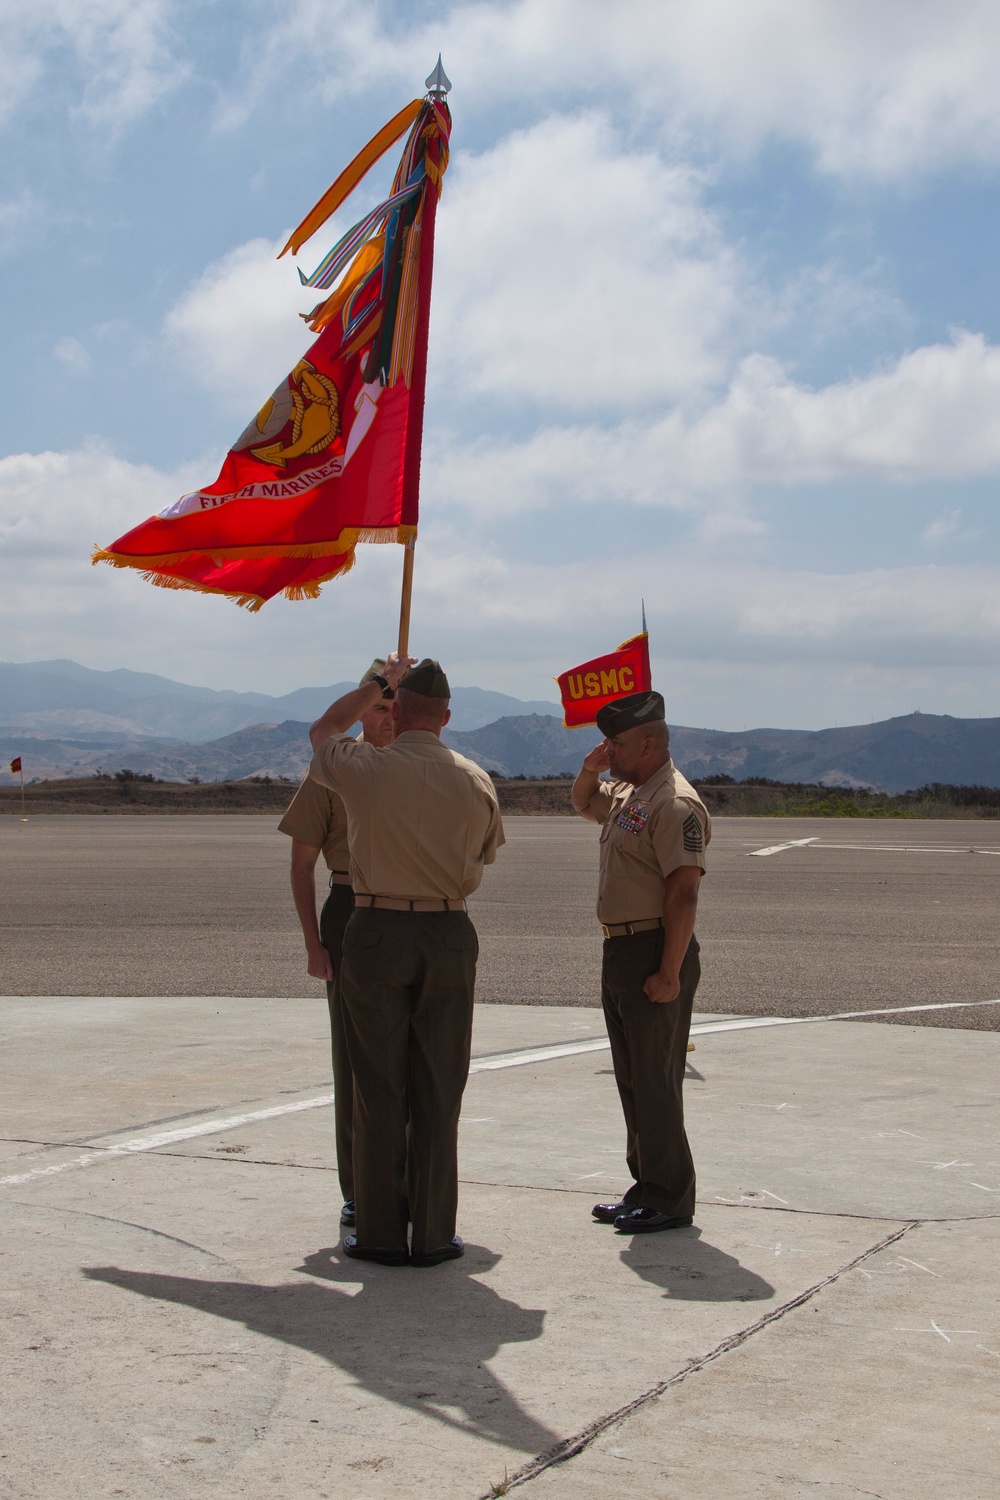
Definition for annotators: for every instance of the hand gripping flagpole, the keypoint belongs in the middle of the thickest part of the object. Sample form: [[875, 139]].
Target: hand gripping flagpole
[[438, 86]]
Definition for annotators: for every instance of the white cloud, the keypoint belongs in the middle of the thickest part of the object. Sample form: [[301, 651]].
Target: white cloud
[[237, 328], [942, 527], [726, 635], [17, 216], [123, 51], [573, 271], [72, 355], [585, 280], [54, 506], [928, 613], [570, 271], [871, 91], [933, 414], [869, 616], [878, 91]]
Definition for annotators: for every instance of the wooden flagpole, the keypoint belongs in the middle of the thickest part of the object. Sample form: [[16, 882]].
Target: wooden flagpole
[[438, 86], [407, 593]]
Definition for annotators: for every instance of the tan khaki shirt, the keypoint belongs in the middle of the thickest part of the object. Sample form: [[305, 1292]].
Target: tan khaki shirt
[[317, 817], [422, 821], [647, 832]]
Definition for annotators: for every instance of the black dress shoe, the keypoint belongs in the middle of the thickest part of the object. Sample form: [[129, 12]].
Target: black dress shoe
[[348, 1218], [381, 1257], [607, 1213], [435, 1257], [646, 1220]]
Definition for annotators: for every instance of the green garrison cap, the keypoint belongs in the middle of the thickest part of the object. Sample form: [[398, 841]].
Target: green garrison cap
[[633, 712], [377, 669], [427, 678]]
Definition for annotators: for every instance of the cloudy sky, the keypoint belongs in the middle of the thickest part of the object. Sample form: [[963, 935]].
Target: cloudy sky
[[716, 322]]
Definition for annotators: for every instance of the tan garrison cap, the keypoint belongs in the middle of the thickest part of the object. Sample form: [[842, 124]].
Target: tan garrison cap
[[427, 678], [377, 669], [633, 712]]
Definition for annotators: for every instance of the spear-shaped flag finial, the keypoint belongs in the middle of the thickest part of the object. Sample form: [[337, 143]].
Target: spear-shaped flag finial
[[438, 84], [643, 616]]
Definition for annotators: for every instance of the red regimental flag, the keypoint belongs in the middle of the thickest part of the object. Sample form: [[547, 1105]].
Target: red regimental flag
[[333, 456], [587, 688], [15, 766]]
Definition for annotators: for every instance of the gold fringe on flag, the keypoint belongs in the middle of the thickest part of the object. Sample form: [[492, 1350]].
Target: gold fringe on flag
[[345, 542]]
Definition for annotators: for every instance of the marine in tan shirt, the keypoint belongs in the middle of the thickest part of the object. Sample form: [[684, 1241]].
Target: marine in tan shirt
[[316, 817], [316, 822], [654, 833], [647, 832], [422, 824], [422, 821]]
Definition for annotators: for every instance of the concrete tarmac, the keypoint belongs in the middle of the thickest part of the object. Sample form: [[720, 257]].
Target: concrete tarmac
[[846, 915], [180, 1320]]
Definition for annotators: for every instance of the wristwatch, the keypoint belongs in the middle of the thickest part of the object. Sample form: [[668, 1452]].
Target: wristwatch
[[383, 682]]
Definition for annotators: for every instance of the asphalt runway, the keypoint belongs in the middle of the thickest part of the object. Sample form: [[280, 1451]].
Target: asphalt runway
[[868, 915]]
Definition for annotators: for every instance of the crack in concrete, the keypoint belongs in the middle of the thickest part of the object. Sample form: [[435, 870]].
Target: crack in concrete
[[798, 1479], [571, 1447], [767, 1208]]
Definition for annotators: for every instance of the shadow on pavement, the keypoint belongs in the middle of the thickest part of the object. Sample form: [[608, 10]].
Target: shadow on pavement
[[420, 1338], [689, 1270]]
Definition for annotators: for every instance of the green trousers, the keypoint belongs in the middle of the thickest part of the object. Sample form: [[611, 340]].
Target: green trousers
[[336, 914], [649, 1052], [407, 987]]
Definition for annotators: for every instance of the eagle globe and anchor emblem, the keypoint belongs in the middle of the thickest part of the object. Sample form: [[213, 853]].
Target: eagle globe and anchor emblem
[[302, 417], [307, 405]]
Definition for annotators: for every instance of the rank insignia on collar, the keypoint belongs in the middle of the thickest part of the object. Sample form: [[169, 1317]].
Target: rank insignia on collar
[[633, 818]]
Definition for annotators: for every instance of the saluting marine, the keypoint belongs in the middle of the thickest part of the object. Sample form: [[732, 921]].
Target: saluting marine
[[316, 822], [654, 832], [422, 823]]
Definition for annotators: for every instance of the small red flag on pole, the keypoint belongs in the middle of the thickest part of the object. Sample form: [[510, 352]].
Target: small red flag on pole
[[15, 767], [587, 688]]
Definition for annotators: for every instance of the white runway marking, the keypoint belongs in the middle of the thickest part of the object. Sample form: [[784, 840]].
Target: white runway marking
[[167, 1138], [217, 1125], [538, 1054], [777, 848], [751, 1023], [907, 848], [815, 843]]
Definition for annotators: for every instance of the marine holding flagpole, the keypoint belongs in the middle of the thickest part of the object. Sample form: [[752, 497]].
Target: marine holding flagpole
[[332, 459], [422, 823]]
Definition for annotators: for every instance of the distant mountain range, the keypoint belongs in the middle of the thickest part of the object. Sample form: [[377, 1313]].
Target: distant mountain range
[[894, 756], [60, 699], [67, 720]]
